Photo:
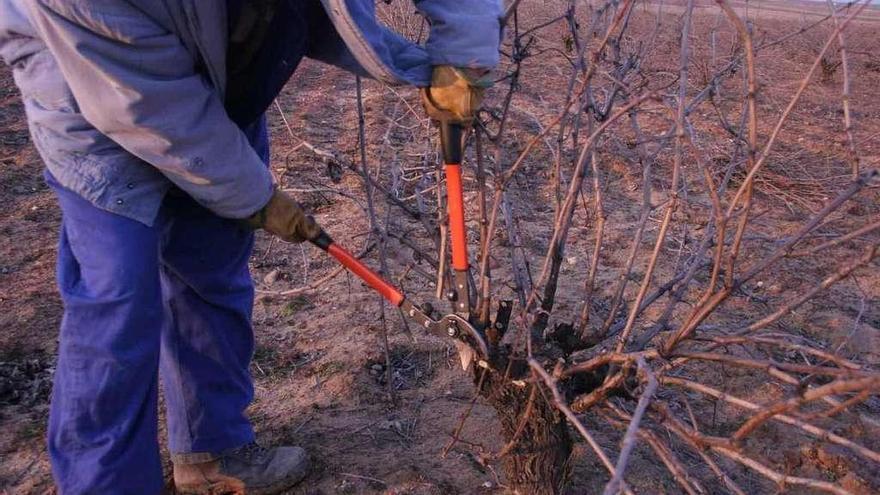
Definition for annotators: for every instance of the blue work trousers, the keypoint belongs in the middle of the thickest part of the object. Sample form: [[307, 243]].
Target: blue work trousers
[[171, 300]]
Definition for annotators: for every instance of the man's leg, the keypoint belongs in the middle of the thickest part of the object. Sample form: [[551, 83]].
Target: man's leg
[[103, 418], [207, 341], [206, 352]]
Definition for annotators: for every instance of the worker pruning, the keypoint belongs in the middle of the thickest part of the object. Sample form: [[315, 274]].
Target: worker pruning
[[148, 115]]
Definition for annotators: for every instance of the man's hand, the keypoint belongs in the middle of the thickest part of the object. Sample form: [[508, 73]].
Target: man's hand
[[455, 94], [283, 217]]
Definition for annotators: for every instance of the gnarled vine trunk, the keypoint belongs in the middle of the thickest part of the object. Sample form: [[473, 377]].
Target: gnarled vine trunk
[[536, 461]]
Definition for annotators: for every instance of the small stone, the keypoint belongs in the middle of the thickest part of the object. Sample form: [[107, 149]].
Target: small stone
[[377, 367], [271, 277], [760, 283], [487, 484], [4, 270]]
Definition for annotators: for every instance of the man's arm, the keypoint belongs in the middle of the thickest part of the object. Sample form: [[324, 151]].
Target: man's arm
[[463, 33], [136, 83]]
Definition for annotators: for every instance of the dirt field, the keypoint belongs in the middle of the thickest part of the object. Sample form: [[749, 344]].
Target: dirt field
[[318, 368]]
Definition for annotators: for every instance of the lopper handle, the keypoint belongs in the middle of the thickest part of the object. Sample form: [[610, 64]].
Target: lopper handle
[[354, 265], [455, 207], [450, 139]]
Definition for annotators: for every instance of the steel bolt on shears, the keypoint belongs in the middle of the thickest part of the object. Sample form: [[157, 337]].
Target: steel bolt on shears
[[459, 325]]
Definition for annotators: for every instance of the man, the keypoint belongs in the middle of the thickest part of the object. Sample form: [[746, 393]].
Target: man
[[148, 116]]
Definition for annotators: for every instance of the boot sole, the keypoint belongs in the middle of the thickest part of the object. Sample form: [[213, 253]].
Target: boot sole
[[277, 487], [219, 488]]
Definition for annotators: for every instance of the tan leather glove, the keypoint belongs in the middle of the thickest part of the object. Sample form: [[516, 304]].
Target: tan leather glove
[[455, 94], [284, 217]]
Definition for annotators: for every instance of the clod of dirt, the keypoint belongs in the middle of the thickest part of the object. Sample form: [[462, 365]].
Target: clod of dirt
[[271, 277], [26, 382], [412, 481], [294, 305], [409, 369], [415, 488], [854, 484]]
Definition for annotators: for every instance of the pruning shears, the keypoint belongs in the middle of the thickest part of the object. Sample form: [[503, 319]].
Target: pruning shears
[[459, 325]]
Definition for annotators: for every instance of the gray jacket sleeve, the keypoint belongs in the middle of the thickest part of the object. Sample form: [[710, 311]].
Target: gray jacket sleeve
[[463, 33], [136, 83]]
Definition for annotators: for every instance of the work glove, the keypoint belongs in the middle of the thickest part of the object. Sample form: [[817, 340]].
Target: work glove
[[284, 217], [455, 94]]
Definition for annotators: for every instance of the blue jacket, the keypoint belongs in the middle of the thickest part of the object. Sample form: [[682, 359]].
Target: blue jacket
[[126, 97]]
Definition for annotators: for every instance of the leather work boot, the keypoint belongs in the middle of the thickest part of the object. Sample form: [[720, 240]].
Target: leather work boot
[[247, 470]]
